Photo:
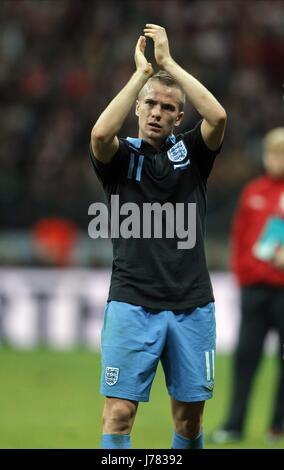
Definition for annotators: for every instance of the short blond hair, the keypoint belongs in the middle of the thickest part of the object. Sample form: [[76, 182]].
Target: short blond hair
[[274, 140], [166, 79]]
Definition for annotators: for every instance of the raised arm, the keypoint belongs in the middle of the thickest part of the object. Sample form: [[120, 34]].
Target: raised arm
[[214, 115], [104, 139]]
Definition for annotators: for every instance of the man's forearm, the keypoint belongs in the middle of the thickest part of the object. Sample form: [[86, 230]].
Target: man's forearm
[[201, 98], [113, 117]]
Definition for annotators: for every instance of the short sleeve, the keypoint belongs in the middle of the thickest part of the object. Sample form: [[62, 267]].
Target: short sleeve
[[108, 172], [198, 151]]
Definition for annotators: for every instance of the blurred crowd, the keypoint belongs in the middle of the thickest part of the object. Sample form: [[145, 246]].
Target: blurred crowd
[[63, 60]]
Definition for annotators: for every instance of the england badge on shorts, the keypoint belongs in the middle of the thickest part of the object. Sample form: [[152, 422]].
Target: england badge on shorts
[[177, 152], [111, 375]]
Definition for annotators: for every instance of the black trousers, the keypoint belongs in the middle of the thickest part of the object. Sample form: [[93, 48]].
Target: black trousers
[[262, 309]]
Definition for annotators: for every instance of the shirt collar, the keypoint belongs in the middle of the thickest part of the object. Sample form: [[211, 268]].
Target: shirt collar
[[171, 139], [137, 142]]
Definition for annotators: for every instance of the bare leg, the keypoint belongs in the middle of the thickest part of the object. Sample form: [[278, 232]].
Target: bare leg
[[118, 415], [188, 418]]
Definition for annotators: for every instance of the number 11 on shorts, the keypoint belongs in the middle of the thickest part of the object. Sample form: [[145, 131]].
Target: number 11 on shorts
[[210, 365]]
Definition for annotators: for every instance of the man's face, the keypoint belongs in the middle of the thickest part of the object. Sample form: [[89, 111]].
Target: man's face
[[274, 164], [158, 111]]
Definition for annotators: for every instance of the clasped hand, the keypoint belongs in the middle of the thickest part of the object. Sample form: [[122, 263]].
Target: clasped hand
[[161, 48]]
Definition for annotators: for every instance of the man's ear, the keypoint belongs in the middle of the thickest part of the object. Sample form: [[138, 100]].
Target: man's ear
[[179, 118], [137, 107]]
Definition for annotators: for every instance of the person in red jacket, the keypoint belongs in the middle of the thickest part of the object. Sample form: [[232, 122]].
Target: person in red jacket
[[257, 259]]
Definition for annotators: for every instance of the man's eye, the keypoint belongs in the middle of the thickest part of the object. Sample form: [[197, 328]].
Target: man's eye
[[168, 107]]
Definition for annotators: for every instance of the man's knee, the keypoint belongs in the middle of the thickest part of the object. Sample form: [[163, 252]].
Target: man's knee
[[188, 419], [189, 427], [118, 416]]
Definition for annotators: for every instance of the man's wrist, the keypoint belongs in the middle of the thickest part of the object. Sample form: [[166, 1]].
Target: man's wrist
[[142, 76], [167, 63]]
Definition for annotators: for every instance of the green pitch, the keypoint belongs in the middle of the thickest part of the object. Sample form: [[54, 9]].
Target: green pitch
[[51, 400]]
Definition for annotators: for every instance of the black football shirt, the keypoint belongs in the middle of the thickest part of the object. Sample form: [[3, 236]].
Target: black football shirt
[[153, 272]]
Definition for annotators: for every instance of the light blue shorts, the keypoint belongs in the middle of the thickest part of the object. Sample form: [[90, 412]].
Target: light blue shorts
[[134, 340]]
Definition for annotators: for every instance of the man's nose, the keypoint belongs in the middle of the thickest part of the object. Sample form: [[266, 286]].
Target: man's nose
[[156, 111]]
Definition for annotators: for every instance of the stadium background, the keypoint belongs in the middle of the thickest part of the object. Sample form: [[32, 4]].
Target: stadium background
[[61, 63]]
